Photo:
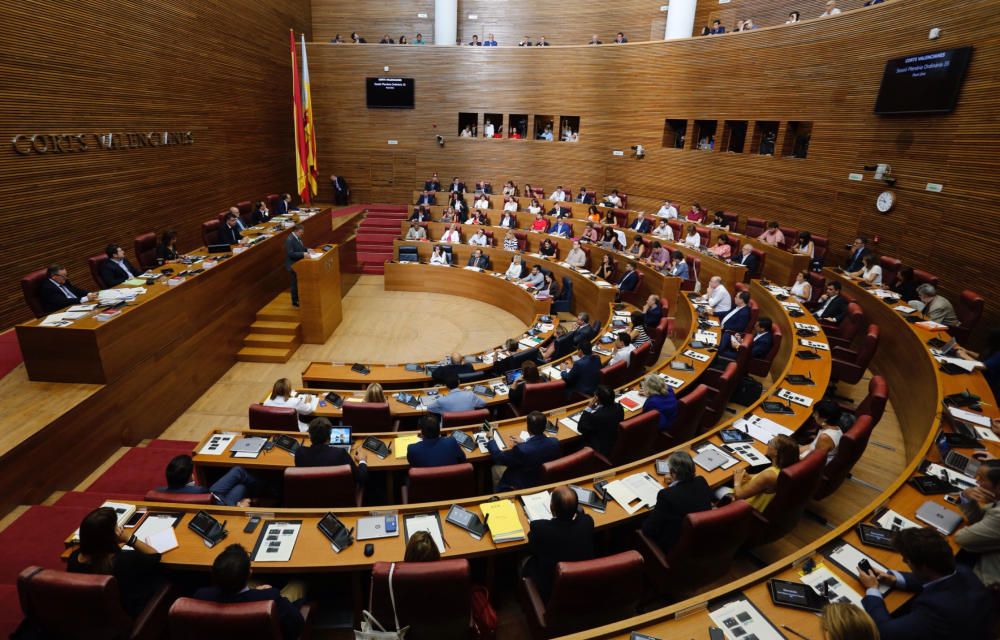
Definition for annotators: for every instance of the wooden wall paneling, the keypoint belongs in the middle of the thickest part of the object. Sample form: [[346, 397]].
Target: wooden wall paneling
[[825, 72], [218, 70]]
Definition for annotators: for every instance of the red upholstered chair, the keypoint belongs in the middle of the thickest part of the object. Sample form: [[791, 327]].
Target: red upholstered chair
[[890, 269], [522, 240], [542, 396], [677, 227], [754, 312], [704, 551], [874, 403], [732, 220], [849, 451], [635, 436], [490, 240], [969, 310], [575, 465], [246, 209], [689, 411], [754, 227], [94, 263], [272, 201], [615, 375], [145, 250], [30, 284], [761, 260], [86, 606], [694, 272], [659, 336], [584, 595], [796, 485], [712, 375], [925, 277], [459, 418], [368, 417], [450, 482], [433, 598], [706, 235], [624, 197], [637, 363], [179, 498], [844, 333], [621, 218], [734, 244], [718, 396], [273, 418], [821, 244], [818, 284], [222, 216], [314, 487], [192, 619], [791, 235], [210, 232], [849, 365], [760, 367]]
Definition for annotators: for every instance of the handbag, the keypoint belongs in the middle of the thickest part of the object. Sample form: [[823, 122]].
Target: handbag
[[372, 629]]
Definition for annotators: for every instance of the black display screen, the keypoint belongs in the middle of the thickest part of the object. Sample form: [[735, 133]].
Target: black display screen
[[390, 93], [923, 83]]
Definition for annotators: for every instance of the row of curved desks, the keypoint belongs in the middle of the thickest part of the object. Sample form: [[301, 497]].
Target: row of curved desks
[[917, 389]]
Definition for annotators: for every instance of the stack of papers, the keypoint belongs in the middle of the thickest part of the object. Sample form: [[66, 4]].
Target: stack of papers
[[632, 400], [706, 337], [216, 444], [157, 530], [761, 429], [962, 363], [403, 443], [797, 398], [894, 522], [114, 296], [572, 422], [536, 506], [504, 524], [634, 492]]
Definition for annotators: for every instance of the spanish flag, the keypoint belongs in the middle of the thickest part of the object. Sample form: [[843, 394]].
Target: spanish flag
[[301, 153], [308, 124]]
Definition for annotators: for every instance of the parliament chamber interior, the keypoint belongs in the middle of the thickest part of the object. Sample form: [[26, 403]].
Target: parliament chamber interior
[[479, 319]]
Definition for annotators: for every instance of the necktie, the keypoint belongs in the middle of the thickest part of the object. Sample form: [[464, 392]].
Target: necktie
[[125, 269], [66, 292]]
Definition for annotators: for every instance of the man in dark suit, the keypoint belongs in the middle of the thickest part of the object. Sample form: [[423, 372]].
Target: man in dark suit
[[117, 269], [228, 233], [685, 493], [584, 331], [760, 346], [831, 306], [951, 602], [630, 280], [427, 198], [640, 223], [855, 259], [584, 196], [284, 205], [231, 584], [240, 226], [294, 251], [560, 211], [456, 365], [432, 450], [519, 466], [319, 453], [456, 186], [737, 319], [747, 258], [599, 422], [562, 228], [58, 292], [420, 214], [341, 194], [479, 259], [585, 374], [567, 537], [434, 184], [233, 489]]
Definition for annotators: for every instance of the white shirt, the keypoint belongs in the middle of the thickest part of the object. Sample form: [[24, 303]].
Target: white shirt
[[121, 263], [693, 240], [416, 234], [664, 231], [479, 240], [534, 279], [302, 406], [667, 211], [576, 257], [558, 195], [799, 290], [833, 434], [613, 199], [439, 258], [451, 235], [482, 203], [510, 206], [466, 133], [489, 129], [830, 12], [873, 275], [720, 300], [532, 209], [729, 315], [514, 270], [623, 354], [507, 221]]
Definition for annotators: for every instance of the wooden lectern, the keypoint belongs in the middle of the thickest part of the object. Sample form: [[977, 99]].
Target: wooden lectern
[[319, 295]]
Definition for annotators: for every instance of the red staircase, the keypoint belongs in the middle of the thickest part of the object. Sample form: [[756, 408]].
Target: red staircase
[[375, 235]]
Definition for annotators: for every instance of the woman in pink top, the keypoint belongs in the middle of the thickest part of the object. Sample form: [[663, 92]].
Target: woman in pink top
[[696, 214], [722, 250], [590, 233], [772, 235]]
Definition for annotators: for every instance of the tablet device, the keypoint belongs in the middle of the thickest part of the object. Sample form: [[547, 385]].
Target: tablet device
[[681, 366], [483, 390], [874, 536], [464, 440], [335, 399], [376, 446], [730, 436], [465, 519], [796, 595], [335, 531], [360, 368], [512, 376], [288, 443], [662, 468], [206, 526]]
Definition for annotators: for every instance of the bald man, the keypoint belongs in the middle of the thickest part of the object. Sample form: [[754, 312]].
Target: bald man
[[456, 365], [239, 221], [717, 298], [567, 537]]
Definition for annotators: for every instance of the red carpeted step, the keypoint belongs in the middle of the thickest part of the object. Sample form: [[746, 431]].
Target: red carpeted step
[[378, 258], [377, 235], [395, 215], [10, 610], [37, 537], [377, 225], [93, 499], [138, 471], [184, 446]]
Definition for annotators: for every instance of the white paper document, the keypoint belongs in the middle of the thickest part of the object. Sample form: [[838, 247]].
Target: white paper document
[[968, 365], [634, 492], [425, 522], [277, 541], [163, 540], [748, 453], [824, 582], [812, 344], [895, 522], [968, 416], [739, 620], [571, 422], [760, 428], [848, 556], [950, 476], [797, 398], [536, 506]]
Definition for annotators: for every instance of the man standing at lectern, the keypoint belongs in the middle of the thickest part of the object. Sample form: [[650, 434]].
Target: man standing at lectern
[[341, 194], [294, 251]]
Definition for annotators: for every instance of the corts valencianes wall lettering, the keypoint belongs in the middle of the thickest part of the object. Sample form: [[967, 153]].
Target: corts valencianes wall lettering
[[45, 143]]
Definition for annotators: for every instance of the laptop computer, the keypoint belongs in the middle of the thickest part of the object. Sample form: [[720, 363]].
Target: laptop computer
[[512, 376], [943, 519], [340, 437]]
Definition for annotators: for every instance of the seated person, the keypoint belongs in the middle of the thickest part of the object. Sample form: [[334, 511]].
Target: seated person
[[434, 184], [58, 292], [638, 333], [510, 242], [637, 249], [439, 256], [613, 199], [664, 230], [936, 308], [510, 204], [719, 220], [456, 399], [832, 306], [562, 228], [845, 621], [679, 267], [231, 584], [759, 347], [478, 217], [758, 489], [481, 202], [427, 198], [630, 279], [529, 375], [229, 232], [583, 331], [609, 240], [567, 537], [455, 364], [508, 220], [509, 189], [658, 256], [166, 248], [667, 211], [561, 344], [260, 213], [772, 235], [561, 211], [599, 422], [451, 234], [717, 298], [535, 208], [697, 213], [577, 257], [100, 552], [951, 602], [722, 249], [652, 311], [584, 196], [416, 232], [540, 225], [547, 248], [549, 287], [738, 317], [804, 245], [801, 288], [421, 548], [479, 239], [282, 395], [641, 224], [623, 349], [233, 489], [319, 453], [516, 269], [479, 260], [988, 361], [421, 214], [432, 450], [535, 278], [117, 269], [686, 493], [979, 540], [905, 284], [692, 238], [747, 258], [826, 415], [585, 374], [659, 397], [558, 195], [594, 214], [519, 466], [857, 251]]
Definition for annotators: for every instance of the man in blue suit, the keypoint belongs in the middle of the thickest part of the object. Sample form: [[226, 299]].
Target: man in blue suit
[[759, 347], [117, 269], [520, 466], [640, 223], [951, 602], [630, 280], [427, 198], [585, 374], [737, 319], [854, 259], [295, 250], [562, 229], [284, 205], [456, 400], [433, 450]]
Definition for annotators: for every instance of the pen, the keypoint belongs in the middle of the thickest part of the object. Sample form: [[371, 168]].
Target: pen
[[794, 632], [224, 524]]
